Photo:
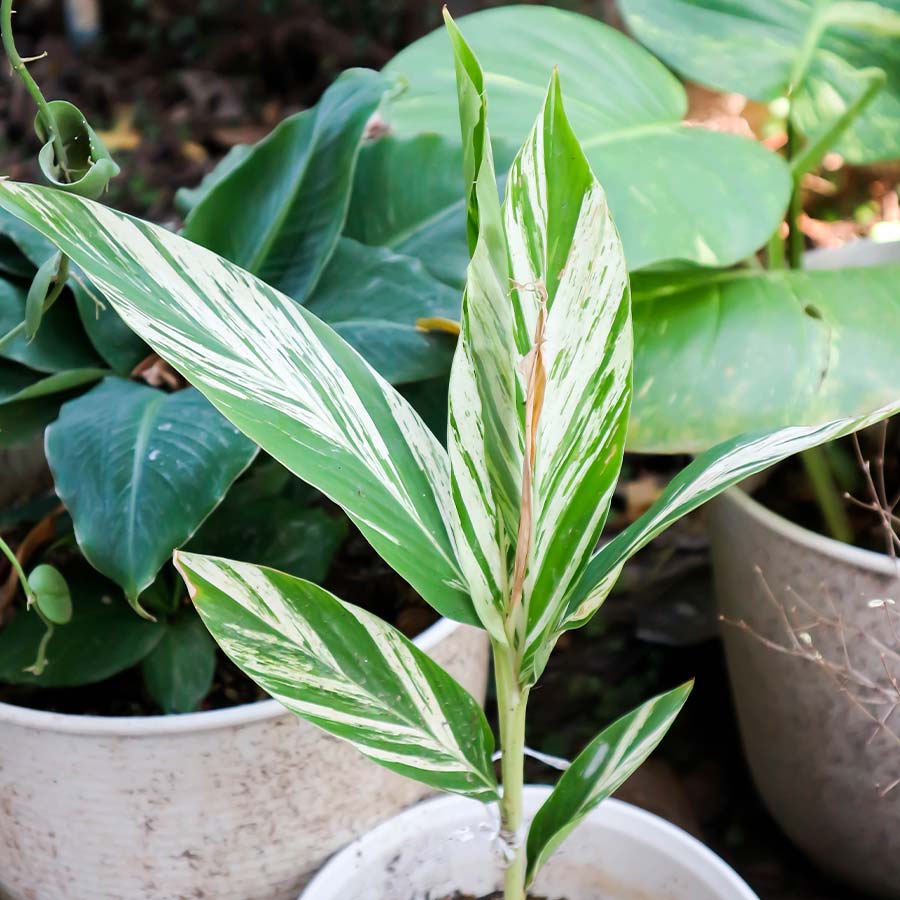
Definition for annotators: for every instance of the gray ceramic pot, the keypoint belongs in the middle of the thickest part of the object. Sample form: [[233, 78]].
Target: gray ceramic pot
[[817, 759]]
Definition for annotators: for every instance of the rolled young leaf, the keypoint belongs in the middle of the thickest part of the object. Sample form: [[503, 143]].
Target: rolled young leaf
[[598, 770], [283, 377], [346, 671], [541, 384], [90, 168]]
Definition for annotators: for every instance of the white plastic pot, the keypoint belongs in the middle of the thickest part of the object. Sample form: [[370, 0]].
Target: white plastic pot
[[226, 805], [619, 852]]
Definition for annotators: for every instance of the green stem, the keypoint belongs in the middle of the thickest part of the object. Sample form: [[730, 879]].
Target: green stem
[[17, 566], [827, 494], [20, 67], [10, 335], [511, 704]]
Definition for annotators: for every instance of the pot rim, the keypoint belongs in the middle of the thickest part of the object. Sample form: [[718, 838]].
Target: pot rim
[[445, 811], [880, 563], [184, 723]]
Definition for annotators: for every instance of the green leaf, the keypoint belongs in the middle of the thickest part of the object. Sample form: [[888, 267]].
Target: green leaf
[[373, 298], [90, 167], [139, 470], [706, 477], [51, 593], [103, 638], [31, 243], [178, 671], [423, 217], [299, 178], [23, 421], [18, 383], [283, 377], [757, 47], [600, 769], [275, 528], [675, 192], [119, 346], [61, 343], [187, 198], [45, 276], [541, 386], [710, 359], [346, 671]]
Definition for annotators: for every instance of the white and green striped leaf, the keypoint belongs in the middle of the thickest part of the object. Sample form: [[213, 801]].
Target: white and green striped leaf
[[598, 770], [541, 384], [278, 373], [708, 475], [346, 671]]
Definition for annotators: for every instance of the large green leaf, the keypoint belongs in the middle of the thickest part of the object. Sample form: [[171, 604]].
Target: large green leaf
[[598, 770], [755, 47], [282, 376], [279, 211], [373, 297], [541, 384], [60, 344], [138, 471], [423, 217], [722, 353], [707, 476], [104, 637], [675, 192], [346, 671]]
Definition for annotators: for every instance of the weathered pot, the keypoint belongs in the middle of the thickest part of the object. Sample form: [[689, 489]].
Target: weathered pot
[[619, 852], [812, 752], [228, 805]]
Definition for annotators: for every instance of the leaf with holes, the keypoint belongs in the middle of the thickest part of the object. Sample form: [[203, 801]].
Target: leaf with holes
[[138, 471], [710, 358], [346, 671]]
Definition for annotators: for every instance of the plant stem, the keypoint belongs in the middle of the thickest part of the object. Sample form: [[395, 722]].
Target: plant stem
[[17, 566], [20, 67], [827, 495], [511, 704]]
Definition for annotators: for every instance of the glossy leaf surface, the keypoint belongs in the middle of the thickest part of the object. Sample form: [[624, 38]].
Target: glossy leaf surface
[[753, 47], [346, 671], [722, 353], [139, 470], [675, 192], [284, 378], [299, 179]]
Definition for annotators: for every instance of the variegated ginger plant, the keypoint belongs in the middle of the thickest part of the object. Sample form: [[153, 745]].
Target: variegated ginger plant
[[498, 531]]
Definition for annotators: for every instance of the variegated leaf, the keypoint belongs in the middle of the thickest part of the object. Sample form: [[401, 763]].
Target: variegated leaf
[[346, 671], [708, 475], [598, 770], [541, 385], [278, 373]]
